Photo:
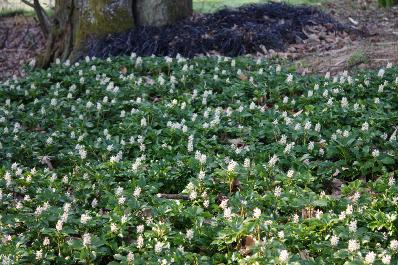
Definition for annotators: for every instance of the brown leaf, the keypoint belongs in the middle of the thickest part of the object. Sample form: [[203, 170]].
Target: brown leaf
[[262, 101], [336, 187], [146, 213], [242, 77], [304, 254], [46, 160], [123, 70], [235, 185], [307, 213], [237, 142], [220, 197], [246, 244]]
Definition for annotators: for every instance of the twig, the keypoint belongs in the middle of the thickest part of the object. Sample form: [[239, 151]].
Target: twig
[[44, 20], [173, 196]]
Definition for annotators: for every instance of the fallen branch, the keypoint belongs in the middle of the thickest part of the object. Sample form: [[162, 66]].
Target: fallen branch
[[173, 196]]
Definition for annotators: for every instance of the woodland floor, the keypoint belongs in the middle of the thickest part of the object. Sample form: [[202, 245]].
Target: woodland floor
[[378, 47], [21, 40]]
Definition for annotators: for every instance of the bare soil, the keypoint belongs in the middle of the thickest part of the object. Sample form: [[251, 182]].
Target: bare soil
[[375, 49], [20, 41]]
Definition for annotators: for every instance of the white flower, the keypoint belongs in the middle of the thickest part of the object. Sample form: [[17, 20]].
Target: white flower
[[307, 125], [281, 235], [193, 195], [202, 158], [143, 122], [284, 255], [296, 218], [158, 247], [289, 147], [137, 192], [317, 127], [370, 257], [227, 213], [394, 244], [277, 191], [246, 163], [113, 227], [381, 73], [140, 229], [365, 126], [119, 191], [39, 254], [353, 245], [94, 203], [224, 203], [289, 78], [82, 153], [311, 146], [86, 239], [290, 173], [352, 227], [189, 234], [283, 139], [130, 257], [334, 240], [201, 175], [256, 213], [121, 200], [349, 209], [59, 225], [273, 160], [391, 181], [124, 218], [344, 102], [386, 259], [46, 241], [375, 153], [190, 143], [140, 242], [231, 166], [84, 218]]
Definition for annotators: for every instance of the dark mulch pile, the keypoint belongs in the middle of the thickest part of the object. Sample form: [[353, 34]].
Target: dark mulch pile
[[229, 32]]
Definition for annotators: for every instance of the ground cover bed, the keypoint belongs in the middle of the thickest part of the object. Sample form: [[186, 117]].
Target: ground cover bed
[[209, 160]]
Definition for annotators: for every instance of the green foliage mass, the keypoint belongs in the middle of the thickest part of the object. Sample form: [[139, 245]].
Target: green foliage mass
[[270, 167]]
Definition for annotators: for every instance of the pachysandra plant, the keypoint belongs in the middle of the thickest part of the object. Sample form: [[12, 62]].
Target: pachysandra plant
[[198, 161]]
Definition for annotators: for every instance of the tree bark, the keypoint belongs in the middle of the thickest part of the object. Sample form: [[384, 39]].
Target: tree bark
[[161, 12], [75, 21]]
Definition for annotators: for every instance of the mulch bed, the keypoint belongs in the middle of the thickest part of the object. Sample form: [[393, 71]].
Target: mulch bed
[[232, 32]]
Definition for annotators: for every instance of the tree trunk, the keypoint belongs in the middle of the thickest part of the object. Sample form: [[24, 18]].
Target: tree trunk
[[75, 21], [161, 12]]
